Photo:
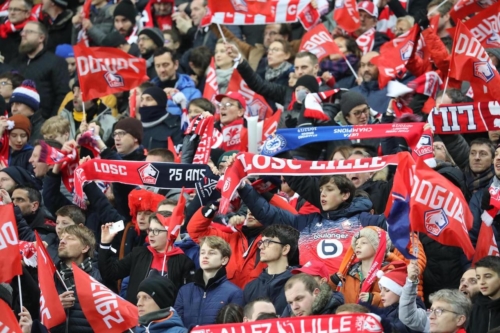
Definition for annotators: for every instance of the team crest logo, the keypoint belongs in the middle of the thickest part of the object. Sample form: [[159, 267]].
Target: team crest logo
[[346, 225], [435, 221], [227, 183], [114, 80], [484, 71], [273, 145], [149, 174], [424, 146], [368, 323], [406, 51]]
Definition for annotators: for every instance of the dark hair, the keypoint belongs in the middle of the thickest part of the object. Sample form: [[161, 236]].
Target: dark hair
[[342, 182], [455, 95], [153, 217], [231, 313], [50, 142], [308, 54], [372, 151], [145, 85], [15, 77], [266, 315], [200, 57], [204, 104], [162, 50], [484, 141], [286, 234], [248, 310], [491, 262], [33, 193], [356, 308], [351, 45], [73, 212], [345, 151], [308, 280], [165, 154], [285, 30], [176, 38]]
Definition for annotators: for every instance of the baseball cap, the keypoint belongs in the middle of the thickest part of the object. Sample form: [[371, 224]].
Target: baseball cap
[[368, 7], [314, 268], [233, 95]]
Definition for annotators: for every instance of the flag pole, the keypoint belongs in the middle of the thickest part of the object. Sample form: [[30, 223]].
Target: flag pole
[[350, 67], [437, 7], [221, 33], [61, 279], [20, 292], [445, 86]]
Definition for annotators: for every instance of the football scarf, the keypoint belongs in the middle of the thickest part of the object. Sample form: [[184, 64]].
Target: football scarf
[[231, 135], [486, 243], [313, 107], [8, 28], [68, 161]]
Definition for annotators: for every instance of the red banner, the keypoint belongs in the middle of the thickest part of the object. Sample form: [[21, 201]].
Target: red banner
[[105, 311], [346, 15], [211, 86], [10, 257], [106, 70], [147, 16], [319, 42], [366, 41], [345, 323], [470, 62], [8, 321], [256, 104], [464, 8], [51, 310]]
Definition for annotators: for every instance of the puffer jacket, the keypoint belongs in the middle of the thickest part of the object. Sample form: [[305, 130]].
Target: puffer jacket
[[198, 304], [161, 321], [186, 86], [102, 25], [156, 133], [325, 303], [271, 286], [323, 237]]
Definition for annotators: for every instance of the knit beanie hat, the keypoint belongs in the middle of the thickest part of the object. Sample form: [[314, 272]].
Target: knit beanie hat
[[371, 233], [22, 177], [215, 154], [132, 126], [158, 95], [155, 34], [21, 122], [6, 293], [65, 51], [161, 290], [395, 279], [114, 39], [26, 93], [349, 100], [308, 81], [126, 9], [61, 3]]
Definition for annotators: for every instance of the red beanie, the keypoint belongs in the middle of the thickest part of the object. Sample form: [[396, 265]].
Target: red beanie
[[21, 122]]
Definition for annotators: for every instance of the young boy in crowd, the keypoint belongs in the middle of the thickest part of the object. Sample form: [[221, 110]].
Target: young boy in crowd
[[199, 302], [56, 128]]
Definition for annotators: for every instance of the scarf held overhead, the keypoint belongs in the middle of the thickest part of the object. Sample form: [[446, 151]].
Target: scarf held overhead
[[466, 118]]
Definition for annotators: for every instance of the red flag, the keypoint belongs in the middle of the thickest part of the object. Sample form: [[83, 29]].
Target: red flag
[[104, 310], [106, 70], [51, 310], [211, 86], [366, 41], [147, 16], [248, 7], [256, 104], [86, 9], [319, 42], [171, 147], [464, 8], [8, 321], [346, 15], [270, 125], [470, 62], [177, 218], [133, 103], [10, 257], [486, 244]]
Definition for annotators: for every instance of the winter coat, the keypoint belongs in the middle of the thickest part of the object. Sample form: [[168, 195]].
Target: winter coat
[[485, 314], [190, 248], [325, 303], [161, 321], [137, 264], [9, 47], [46, 228], [156, 133], [51, 77], [186, 86], [377, 98], [271, 286], [104, 117], [21, 158], [198, 304], [244, 264], [475, 208], [412, 312], [329, 232], [59, 30], [458, 149], [102, 25]]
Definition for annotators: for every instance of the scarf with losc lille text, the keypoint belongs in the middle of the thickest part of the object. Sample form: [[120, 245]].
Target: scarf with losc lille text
[[140, 173], [68, 161], [247, 164], [419, 139]]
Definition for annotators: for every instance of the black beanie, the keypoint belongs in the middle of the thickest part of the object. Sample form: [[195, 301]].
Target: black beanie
[[127, 9], [349, 100], [158, 95], [161, 290], [132, 126], [155, 34], [22, 177], [308, 81]]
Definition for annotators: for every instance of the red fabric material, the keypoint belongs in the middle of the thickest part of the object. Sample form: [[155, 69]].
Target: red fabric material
[[160, 259], [8, 323], [233, 135], [211, 86], [346, 15], [486, 244], [10, 257], [5, 148], [308, 208], [141, 200], [8, 28], [366, 41], [319, 41], [164, 22]]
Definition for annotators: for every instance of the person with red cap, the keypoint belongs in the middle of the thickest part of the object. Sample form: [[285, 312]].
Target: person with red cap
[[316, 269], [368, 16], [232, 106]]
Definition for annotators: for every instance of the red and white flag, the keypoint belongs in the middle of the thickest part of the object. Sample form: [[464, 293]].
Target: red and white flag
[[51, 310], [8, 321], [319, 42], [486, 244], [10, 256], [310, 16], [147, 20], [106, 70], [313, 108], [464, 8], [256, 104], [366, 41], [104, 310], [82, 34], [346, 15], [211, 86], [470, 62]]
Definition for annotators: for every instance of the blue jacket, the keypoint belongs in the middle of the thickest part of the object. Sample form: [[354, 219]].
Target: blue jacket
[[377, 98], [161, 321], [185, 85], [198, 304], [190, 248]]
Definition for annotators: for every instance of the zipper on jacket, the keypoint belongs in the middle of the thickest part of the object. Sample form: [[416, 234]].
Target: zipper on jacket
[[204, 294]]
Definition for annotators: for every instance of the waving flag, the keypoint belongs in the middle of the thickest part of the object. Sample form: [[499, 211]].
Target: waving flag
[[366, 41], [346, 15], [211, 86], [10, 257], [464, 8], [256, 104], [82, 34], [486, 243], [51, 310], [104, 310], [8, 321], [470, 62], [319, 42], [106, 70]]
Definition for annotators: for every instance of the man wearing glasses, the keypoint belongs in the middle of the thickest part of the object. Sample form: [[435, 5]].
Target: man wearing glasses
[[10, 31], [449, 311]]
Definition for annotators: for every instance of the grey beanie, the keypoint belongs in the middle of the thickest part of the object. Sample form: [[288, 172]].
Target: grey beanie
[[155, 34], [350, 100], [6, 293]]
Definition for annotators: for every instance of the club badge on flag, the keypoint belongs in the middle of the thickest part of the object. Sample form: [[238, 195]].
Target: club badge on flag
[[10, 256]]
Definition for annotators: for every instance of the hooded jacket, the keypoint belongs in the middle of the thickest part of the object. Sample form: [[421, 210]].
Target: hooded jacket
[[271, 286], [161, 321], [485, 314], [326, 302], [198, 304], [186, 86], [156, 133]]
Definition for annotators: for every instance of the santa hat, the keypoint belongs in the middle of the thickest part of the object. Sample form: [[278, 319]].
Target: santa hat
[[395, 279], [26, 93]]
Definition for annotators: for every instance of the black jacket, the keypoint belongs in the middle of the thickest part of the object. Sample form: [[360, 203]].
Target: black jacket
[[137, 265], [36, 121], [378, 191], [157, 133], [60, 29], [21, 158], [485, 314], [51, 77], [271, 286], [9, 47], [46, 228]]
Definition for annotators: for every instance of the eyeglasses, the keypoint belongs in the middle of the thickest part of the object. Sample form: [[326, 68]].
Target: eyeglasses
[[358, 113], [5, 83], [266, 242], [16, 10], [275, 50], [28, 31], [227, 105], [438, 312], [119, 134], [155, 232]]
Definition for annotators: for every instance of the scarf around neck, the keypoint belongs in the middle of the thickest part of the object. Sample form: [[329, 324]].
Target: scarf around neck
[[223, 76], [9, 28], [475, 182], [273, 73], [152, 113], [67, 272]]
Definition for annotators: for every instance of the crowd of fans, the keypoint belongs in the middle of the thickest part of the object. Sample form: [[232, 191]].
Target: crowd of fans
[[256, 262]]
